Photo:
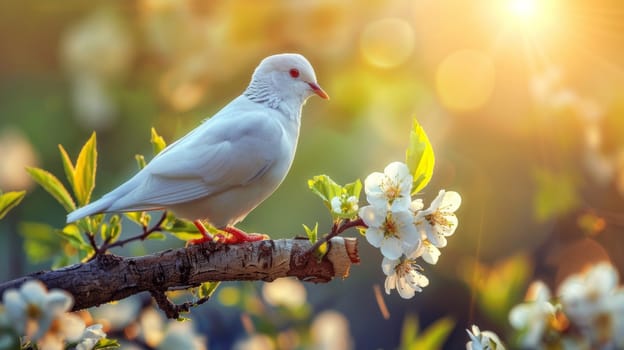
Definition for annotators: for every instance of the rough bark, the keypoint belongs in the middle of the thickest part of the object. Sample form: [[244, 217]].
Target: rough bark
[[109, 277]]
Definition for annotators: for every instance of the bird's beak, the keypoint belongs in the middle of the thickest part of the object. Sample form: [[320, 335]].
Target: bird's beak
[[317, 90]]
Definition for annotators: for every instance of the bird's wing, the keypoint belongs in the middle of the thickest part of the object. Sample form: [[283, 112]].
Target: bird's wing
[[220, 154]]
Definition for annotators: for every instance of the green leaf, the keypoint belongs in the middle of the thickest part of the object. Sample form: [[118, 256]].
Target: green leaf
[[324, 187], [84, 175], [431, 338], [206, 289], [53, 186], [556, 193], [106, 343], [72, 234], [40, 241], [141, 218], [157, 236], [435, 335], [353, 189], [312, 233], [9, 200], [181, 229], [112, 230], [419, 157], [140, 161], [68, 166], [158, 143]]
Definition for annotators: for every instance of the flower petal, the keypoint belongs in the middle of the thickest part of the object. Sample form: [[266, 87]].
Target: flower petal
[[388, 266], [450, 202], [33, 291], [391, 248], [374, 236], [390, 283], [404, 289], [416, 205], [372, 216], [336, 205], [430, 253]]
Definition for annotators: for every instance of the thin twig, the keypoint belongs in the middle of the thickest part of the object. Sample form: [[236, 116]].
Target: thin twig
[[337, 228], [141, 237]]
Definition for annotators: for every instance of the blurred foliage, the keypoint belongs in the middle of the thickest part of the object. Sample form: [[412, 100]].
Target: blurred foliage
[[524, 112]]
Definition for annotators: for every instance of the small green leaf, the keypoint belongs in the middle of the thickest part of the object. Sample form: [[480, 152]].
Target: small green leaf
[[112, 230], [353, 189], [106, 343], [157, 236], [181, 229], [84, 176], [326, 188], [70, 171], [419, 157], [140, 161], [158, 143], [435, 335], [431, 338], [206, 289], [72, 234], [312, 233], [53, 186], [139, 217], [9, 200]]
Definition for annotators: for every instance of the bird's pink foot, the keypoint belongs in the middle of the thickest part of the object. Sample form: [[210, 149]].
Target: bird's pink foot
[[206, 237], [238, 236]]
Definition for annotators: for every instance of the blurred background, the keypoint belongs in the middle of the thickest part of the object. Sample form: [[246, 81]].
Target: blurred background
[[523, 102]]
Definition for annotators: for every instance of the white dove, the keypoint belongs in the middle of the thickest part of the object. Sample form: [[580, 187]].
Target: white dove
[[231, 162]]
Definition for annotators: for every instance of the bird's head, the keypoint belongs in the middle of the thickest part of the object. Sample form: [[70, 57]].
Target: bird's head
[[289, 76]]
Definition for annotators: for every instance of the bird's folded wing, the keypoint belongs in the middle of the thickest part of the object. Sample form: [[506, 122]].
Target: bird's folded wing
[[207, 164]]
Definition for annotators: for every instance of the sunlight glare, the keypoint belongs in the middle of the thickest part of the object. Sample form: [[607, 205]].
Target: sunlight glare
[[523, 9]]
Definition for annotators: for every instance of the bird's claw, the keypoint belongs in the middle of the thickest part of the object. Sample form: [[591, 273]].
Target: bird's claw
[[228, 235]]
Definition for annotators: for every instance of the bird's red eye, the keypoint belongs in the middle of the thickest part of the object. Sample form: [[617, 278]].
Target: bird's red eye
[[294, 73]]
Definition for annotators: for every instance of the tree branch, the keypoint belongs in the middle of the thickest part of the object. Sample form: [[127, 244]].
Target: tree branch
[[109, 277]]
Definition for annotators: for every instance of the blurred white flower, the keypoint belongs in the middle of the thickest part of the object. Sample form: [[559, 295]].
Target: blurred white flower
[[393, 232], [16, 153], [182, 335], [390, 189], [41, 316], [90, 337], [343, 205], [96, 51], [117, 316], [330, 331], [485, 340], [286, 292], [404, 275], [162, 334], [595, 304], [533, 316], [255, 342], [439, 220]]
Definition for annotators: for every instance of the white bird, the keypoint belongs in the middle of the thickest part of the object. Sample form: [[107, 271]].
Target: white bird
[[231, 162]]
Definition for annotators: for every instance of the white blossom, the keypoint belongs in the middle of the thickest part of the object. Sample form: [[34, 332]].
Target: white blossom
[[393, 232], [533, 316], [90, 337], [485, 340], [439, 221], [343, 205], [41, 316], [595, 304], [390, 189], [404, 275]]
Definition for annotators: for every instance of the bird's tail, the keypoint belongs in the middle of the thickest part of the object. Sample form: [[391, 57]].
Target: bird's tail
[[99, 206]]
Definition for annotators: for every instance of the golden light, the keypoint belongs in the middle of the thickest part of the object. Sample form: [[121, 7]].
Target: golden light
[[465, 80], [523, 9]]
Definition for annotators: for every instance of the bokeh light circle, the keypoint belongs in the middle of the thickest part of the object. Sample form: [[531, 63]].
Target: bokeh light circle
[[388, 42], [465, 80]]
